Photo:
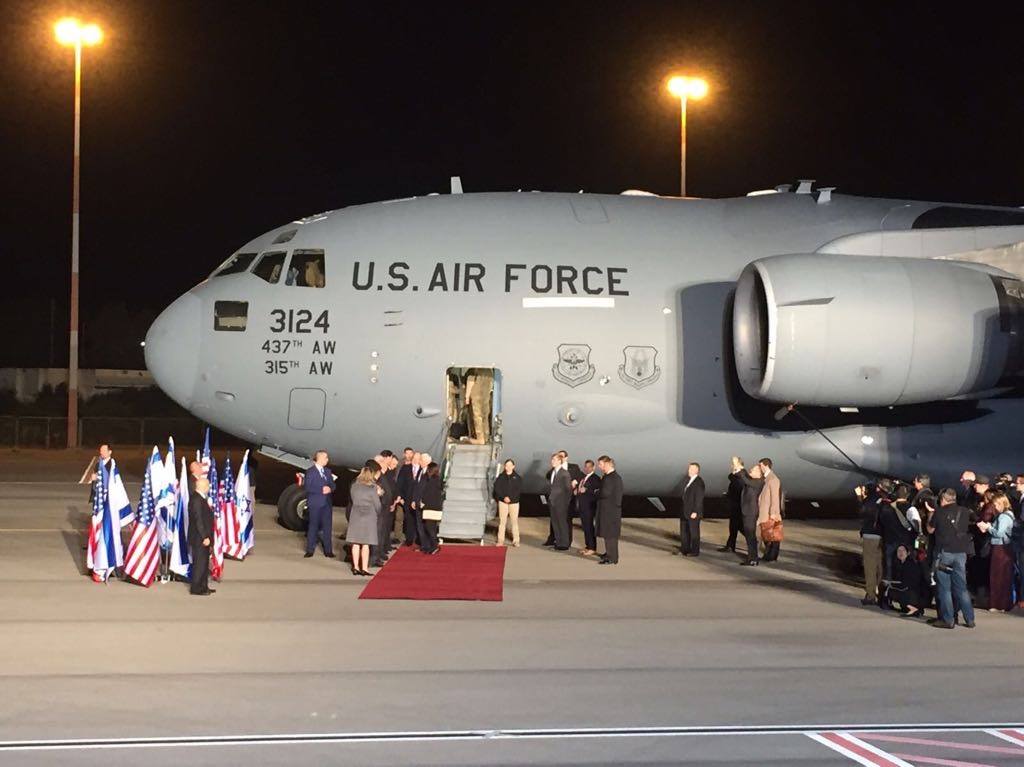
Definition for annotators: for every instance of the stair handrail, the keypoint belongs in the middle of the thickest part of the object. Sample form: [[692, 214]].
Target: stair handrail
[[494, 467]]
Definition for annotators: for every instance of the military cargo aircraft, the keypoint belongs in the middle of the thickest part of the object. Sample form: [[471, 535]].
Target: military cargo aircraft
[[656, 330]]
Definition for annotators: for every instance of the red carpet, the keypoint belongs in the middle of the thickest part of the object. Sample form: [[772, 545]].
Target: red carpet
[[455, 572]]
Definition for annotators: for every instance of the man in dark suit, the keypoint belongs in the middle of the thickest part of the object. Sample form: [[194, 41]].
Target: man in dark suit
[[200, 533], [733, 496], [586, 502], [559, 496], [407, 476], [319, 484], [609, 510], [419, 484], [693, 512], [385, 520], [106, 455]]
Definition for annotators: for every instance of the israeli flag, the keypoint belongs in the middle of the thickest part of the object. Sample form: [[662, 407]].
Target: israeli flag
[[117, 496], [104, 551], [181, 558], [164, 497], [244, 504]]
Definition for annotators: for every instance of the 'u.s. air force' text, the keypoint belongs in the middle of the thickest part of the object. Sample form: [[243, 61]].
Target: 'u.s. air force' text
[[473, 278]]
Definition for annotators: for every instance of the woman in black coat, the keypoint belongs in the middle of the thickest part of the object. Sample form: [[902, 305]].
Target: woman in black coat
[[433, 500], [752, 482], [906, 588]]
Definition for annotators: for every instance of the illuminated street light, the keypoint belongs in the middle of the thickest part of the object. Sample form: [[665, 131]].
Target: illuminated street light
[[71, 32], [684, 89]]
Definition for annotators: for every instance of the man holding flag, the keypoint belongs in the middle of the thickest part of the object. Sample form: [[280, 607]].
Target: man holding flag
[[111, 510], [143, 559]]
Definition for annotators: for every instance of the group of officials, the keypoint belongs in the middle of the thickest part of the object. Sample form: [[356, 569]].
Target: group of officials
[[383, 488], [597, 500], [754, 497]]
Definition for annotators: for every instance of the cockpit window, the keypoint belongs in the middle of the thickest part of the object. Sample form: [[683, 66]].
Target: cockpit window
[[269, 267], [307, 269], [237, 263], [230, 315]]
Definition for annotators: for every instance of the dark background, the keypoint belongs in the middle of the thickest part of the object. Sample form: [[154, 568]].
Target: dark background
[[207, 123]]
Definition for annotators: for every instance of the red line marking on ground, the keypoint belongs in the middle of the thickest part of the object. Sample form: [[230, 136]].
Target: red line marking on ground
[[945, 743], [1013, 735], [941, 762], [870, 757]]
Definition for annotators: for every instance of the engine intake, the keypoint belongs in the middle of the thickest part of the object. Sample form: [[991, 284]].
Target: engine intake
[[865, 331]]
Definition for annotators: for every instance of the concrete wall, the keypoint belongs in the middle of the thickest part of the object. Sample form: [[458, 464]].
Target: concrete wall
[[26, 383]]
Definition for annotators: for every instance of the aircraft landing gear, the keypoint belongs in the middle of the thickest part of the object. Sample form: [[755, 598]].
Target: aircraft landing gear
[[291, 508]]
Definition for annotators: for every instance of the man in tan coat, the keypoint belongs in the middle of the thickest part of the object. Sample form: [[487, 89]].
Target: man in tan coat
[[769, 505]]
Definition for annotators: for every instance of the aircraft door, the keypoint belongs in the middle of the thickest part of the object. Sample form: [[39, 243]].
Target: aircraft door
[[306, 409], [474, 404]]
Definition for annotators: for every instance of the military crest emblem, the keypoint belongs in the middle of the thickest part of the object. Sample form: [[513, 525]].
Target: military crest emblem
[[639, 367], [573, 366]]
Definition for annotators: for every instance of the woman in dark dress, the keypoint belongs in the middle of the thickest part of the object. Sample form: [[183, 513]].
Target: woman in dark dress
[[433, 500]]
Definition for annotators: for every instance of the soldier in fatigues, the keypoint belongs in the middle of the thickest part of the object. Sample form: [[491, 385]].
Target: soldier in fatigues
[[479, 387]]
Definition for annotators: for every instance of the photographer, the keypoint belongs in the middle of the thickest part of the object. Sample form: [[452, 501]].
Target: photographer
[[949, 523]]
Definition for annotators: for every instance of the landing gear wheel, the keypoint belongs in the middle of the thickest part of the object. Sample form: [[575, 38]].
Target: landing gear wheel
[[291, 508]]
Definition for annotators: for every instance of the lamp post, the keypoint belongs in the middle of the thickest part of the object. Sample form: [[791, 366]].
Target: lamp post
[[71, 32], [685, 88]]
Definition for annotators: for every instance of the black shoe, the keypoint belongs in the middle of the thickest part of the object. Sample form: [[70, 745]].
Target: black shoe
[[364, 573], [941, 625], [330, 556], [355, 572], [970, 625], [868, 601], [561, 548], [549, 544], [676, 552], [211, 591], [727, 548], [607, 562], [308, 554], [749, 563]]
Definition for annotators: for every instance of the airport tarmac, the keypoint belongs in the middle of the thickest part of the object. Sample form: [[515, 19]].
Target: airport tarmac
[[660, 660]]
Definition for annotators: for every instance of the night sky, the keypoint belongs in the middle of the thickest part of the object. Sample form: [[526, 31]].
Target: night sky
[[207, 123]]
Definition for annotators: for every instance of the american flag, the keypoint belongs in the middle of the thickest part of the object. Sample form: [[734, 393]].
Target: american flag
[[232, 543], [216, 549], [104, 553], [143, 558]]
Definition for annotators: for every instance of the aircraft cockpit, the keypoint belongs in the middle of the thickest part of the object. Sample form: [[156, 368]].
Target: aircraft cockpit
[[307, 268]]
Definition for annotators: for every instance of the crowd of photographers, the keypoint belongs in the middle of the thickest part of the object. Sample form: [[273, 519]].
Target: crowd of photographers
[[956, 548]]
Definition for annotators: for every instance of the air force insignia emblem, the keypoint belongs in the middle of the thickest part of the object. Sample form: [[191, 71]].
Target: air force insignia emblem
[[638, 368], [573, 366]]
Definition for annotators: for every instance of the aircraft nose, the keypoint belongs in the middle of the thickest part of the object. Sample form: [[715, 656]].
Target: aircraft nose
[[173, 348]]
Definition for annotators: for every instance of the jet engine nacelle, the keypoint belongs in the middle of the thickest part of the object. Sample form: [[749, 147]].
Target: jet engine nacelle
[[841, 330]]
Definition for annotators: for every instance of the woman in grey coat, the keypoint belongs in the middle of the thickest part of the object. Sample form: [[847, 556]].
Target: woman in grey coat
[[363, 521]]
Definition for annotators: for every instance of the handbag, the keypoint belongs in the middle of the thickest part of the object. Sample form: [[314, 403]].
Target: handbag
[[771, 531], [431, 515]]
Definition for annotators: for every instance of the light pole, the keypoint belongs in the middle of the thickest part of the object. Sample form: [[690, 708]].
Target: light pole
[[685, 88], [72, 32]]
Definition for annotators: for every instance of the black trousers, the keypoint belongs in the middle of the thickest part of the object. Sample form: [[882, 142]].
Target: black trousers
[[771, 551], [561, 524], [587, 511], [409, 527], [200, 569], [735, 528], [689, 534], [750, 533], [385, 523], [611, 549]]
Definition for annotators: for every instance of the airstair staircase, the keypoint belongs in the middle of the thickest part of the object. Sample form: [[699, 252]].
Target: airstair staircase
[[468, 484]]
